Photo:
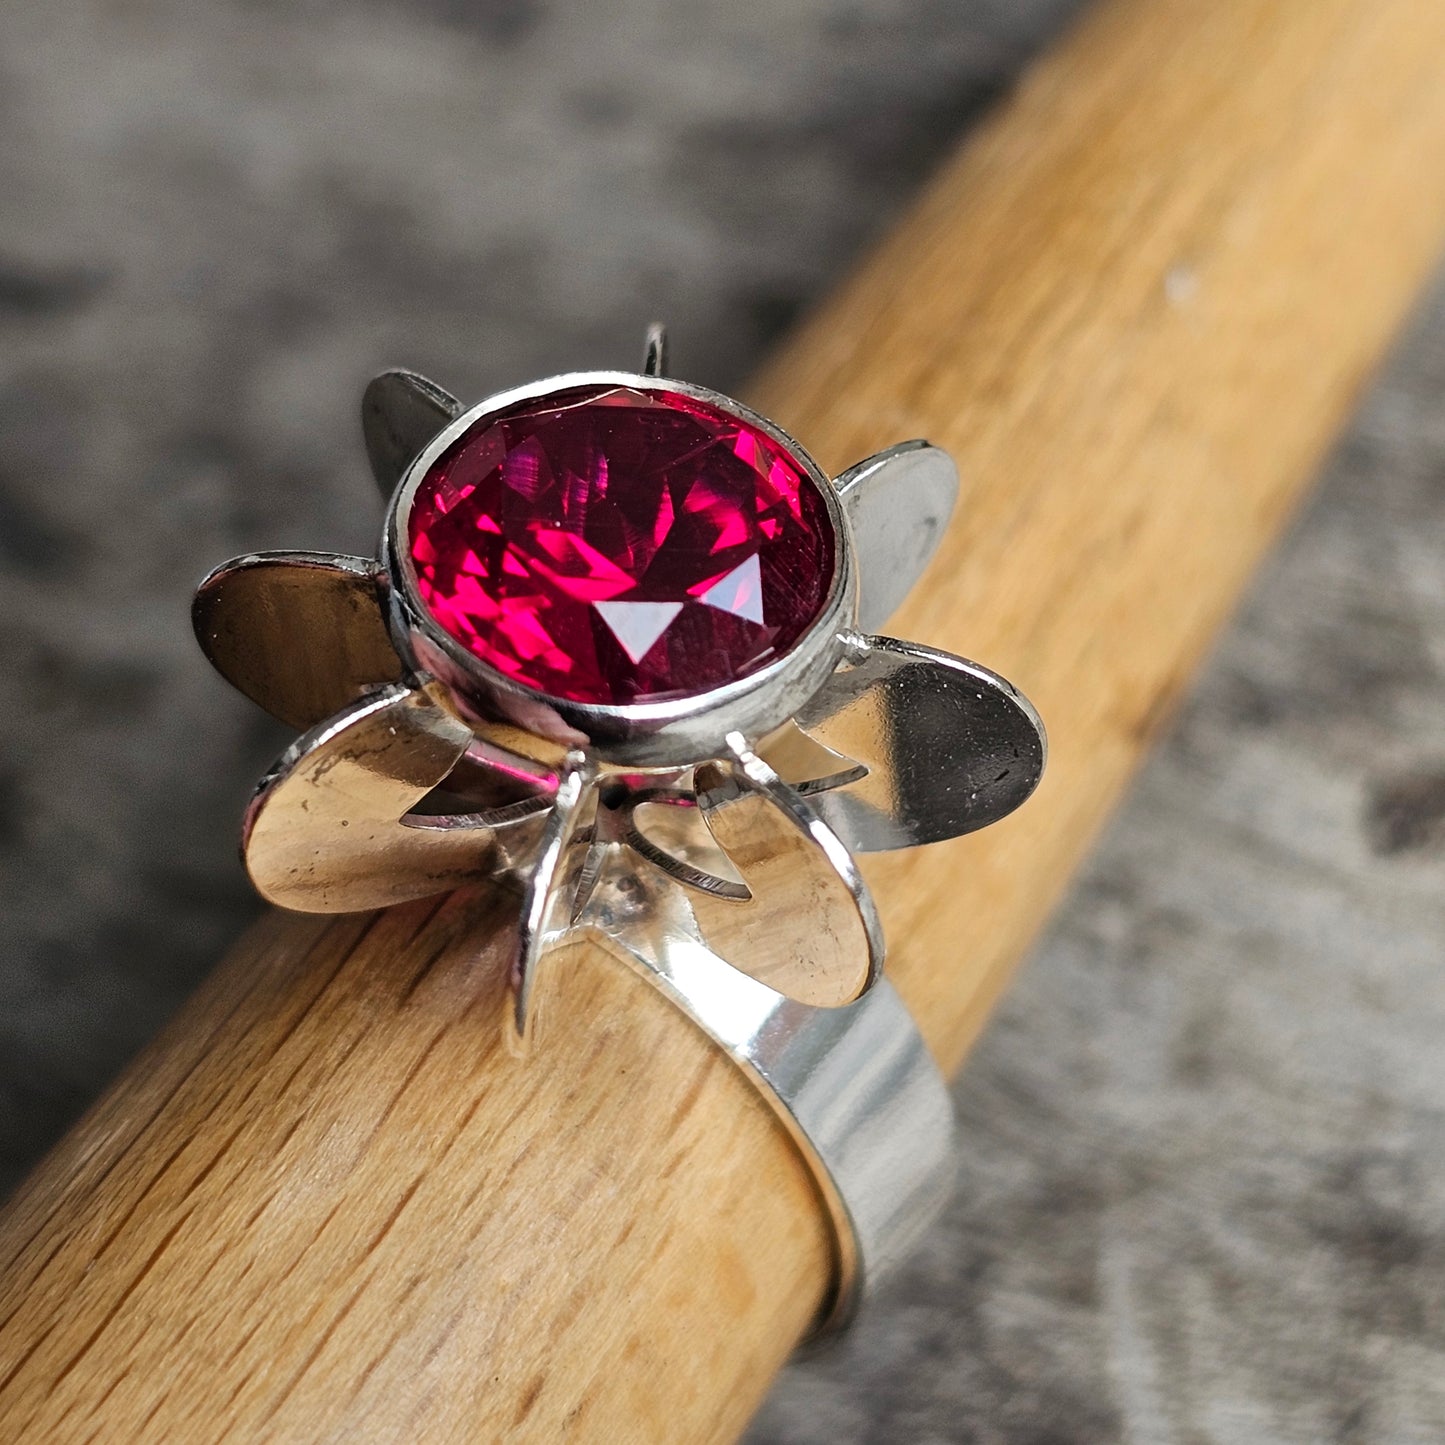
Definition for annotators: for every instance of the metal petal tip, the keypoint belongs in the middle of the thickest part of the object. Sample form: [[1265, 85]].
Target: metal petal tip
[[654, 351], [301, 633], [898, 503], [948, 746], [400, 413], [328, 831]]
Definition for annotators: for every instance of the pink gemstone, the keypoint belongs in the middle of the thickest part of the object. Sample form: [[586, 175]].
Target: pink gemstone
[[605, 545]]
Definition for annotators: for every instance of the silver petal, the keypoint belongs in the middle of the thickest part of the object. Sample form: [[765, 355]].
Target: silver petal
[[327, 831], [301, 633], [949, 746], [805, 927], [400, 413], [824, 944], [898, 503]]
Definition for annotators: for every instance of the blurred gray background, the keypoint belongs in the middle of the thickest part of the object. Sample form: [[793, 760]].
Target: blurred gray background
[[1204, 1196]]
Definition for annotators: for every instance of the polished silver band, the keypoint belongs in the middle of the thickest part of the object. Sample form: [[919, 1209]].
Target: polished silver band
[[856, 1088]]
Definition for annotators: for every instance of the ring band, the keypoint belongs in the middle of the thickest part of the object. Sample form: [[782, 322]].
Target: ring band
[[856, 1088], [861, 1097]]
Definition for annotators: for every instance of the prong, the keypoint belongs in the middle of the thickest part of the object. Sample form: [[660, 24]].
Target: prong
[[400, 413], [301, 633], [898, 503], [327, 830], [547, 900], [654, 354], [948, 746]]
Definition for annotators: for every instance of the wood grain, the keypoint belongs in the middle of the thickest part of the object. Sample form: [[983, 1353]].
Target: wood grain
[[327, 1204], [1136, 309]]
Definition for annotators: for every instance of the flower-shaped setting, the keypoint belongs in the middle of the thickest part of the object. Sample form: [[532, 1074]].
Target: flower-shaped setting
[[616, 648]]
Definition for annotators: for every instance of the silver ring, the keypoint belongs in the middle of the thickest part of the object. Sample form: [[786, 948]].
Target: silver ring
[[618, 647]]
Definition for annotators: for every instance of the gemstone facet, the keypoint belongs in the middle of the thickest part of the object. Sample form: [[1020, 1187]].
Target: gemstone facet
[[609, 545]]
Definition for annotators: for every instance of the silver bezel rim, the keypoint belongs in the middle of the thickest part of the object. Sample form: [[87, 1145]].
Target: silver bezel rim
[[651, 733]]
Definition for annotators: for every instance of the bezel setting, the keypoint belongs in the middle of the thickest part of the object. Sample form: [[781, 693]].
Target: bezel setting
[[659, 733]]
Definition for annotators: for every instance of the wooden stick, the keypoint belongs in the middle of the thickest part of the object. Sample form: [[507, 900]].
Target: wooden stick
[[326, 1204]]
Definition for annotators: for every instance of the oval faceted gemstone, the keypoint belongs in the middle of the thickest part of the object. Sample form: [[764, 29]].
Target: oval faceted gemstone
[[606, 545]]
